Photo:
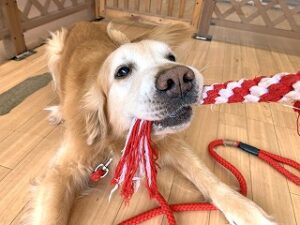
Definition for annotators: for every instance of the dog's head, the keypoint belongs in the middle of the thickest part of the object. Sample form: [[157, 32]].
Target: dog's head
[[144, 80]]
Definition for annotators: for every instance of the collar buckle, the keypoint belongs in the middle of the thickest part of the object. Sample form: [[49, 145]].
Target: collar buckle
[[100, 171]]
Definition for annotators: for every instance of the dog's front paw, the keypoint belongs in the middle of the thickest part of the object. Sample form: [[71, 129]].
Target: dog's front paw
[[249, 218], [240, 210], [246, 212]]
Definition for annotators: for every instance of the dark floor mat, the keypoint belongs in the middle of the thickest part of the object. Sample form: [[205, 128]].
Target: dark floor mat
[[14, 96]]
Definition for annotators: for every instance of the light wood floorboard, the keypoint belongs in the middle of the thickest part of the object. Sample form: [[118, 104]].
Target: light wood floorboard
[[3, 172]]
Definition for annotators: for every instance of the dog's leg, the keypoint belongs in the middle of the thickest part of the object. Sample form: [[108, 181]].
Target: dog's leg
[[54, 194], [238, 209]]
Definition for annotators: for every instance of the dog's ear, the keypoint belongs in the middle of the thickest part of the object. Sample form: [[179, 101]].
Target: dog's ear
[[172, 34], [94, 115], [116, 36]]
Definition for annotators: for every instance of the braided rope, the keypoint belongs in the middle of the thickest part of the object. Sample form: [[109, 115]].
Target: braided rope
[[188, 206], [282, 87], [268, 157]]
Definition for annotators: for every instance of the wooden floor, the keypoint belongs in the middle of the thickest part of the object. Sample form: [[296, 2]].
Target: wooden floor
[[27, 141]]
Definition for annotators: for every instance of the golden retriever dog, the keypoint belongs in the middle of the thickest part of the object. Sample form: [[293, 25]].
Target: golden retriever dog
[[104, 80]]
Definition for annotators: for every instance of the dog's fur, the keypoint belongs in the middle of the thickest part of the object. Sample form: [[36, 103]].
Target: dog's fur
[[98, 109]]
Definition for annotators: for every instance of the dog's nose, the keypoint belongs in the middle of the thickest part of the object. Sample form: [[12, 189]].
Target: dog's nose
[[175, 81]]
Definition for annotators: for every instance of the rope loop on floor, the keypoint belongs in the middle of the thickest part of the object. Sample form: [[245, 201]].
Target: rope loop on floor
[[168, 210]]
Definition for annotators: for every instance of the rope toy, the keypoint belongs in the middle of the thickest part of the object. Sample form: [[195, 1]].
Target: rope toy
[[282, 88], [138, 156]]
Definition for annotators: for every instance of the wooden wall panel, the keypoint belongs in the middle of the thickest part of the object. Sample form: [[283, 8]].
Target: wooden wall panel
[[20, 16], [275, 17], [13, 24], [158, 11]]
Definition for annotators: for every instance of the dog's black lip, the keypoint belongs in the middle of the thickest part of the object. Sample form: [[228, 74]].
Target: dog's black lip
[[178, 117]]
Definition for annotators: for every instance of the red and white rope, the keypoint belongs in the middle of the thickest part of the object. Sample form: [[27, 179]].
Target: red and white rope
[[282, 87], [137, 161]]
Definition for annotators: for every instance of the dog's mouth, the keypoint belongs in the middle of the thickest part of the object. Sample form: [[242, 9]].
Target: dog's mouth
[[175, 119]]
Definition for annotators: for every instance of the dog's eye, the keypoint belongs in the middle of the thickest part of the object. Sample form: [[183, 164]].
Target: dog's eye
[[171, 57], [123, 72]]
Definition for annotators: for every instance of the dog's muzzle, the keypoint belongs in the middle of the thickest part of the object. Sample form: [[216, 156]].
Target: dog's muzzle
[[176, 90]]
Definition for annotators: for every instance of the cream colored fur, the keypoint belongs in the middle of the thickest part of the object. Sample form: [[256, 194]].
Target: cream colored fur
[[117, 36], [54, 50], [55, 46]]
